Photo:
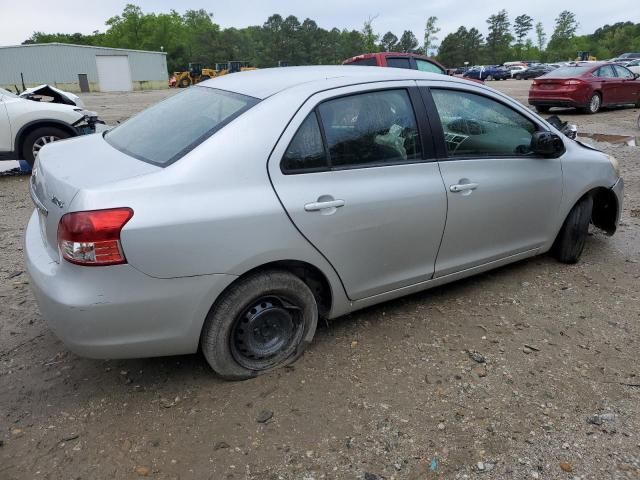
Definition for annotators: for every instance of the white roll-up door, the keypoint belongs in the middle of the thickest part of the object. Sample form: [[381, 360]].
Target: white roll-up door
[[114, 74]]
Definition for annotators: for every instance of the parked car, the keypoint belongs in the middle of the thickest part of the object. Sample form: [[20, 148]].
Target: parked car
[[516, 69], [488, 73], [587, 87], [634, 66], [626, 57], [292, 195], [27, 124], [411, 61], [533, 72]]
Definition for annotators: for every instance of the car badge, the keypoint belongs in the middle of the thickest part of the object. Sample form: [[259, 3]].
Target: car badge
[[57, 202]]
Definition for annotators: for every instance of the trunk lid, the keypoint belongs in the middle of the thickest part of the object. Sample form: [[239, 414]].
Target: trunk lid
[[64, 168]]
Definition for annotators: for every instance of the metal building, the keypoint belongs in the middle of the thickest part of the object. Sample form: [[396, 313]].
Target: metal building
[[81, 68]]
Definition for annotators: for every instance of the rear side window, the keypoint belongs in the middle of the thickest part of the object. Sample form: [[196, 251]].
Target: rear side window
[[168, 130], [425, 66], [605, 72], [397, 62], [370, 129], [364, 62], [306, 151]]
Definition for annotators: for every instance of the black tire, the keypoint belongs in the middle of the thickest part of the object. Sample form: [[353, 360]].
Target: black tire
[[489, 78], [570, 241], [542, 109], [37, 138], [236, 353], [184, 82], [518, 77], [594, 105]]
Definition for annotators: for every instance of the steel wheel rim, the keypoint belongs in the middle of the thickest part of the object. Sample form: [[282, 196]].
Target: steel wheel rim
[[266, 333], [41, 142], [595, 103]]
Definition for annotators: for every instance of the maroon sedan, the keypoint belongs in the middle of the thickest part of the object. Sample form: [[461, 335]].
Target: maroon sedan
[[587, 87]]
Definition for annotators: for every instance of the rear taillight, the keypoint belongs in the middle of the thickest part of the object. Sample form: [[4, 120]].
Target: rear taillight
[[93, 237], [573, 82], [536, 82]]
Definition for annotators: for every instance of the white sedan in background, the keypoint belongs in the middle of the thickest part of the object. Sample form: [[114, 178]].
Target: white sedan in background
[[28, 122], [634, 66]]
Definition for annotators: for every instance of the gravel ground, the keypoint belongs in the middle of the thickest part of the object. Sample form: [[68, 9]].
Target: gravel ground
[[529, 371]]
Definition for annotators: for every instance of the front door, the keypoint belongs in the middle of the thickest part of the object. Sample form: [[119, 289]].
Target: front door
[[608, 84], [502, 198], [357, 181], [5, 128], [628, 86]]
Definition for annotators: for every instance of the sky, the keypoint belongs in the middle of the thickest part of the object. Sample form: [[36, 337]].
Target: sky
[[19, 19]]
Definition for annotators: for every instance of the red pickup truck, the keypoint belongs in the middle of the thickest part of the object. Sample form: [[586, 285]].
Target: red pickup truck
[[412, 61]]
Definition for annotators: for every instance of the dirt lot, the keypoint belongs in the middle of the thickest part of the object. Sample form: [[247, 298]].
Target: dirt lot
[[389, 392]]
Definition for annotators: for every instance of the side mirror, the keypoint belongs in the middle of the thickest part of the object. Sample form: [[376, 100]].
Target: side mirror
[[547, 144]]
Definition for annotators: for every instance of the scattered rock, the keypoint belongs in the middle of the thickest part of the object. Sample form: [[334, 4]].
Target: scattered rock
[[527, 350], [68, 438], [220, 445], [441, 426], [531, 347], [1, 443], [566, 467], [480, 370], [14, 274], [16, 431], [370, 476], [143, 471], [600, 418], [264, 416], [476, 356]]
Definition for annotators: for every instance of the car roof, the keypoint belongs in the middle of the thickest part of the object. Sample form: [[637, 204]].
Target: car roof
[[266, 82]]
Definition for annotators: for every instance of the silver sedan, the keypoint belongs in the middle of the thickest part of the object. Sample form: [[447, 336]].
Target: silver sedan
[[234, 215]]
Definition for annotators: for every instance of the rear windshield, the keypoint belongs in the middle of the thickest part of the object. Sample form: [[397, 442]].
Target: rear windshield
[[566, 72], [168, 130], [366, 62]]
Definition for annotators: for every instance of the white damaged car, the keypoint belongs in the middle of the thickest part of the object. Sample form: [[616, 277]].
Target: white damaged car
[[28, 122]]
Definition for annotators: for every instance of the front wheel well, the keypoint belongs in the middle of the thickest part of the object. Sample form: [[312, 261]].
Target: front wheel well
[[26, 130], [605, 209]]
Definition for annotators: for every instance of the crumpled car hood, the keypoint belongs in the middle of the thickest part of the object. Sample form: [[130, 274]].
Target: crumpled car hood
[[58, 96]]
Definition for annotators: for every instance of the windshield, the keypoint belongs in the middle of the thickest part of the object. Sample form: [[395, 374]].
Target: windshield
[[7, 93], [566, 72], [170, 129]]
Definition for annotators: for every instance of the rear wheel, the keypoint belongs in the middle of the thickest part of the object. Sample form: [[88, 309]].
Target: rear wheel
[[542, 108], [184, 82], [518, 77], [570, 241], [489, 78], [263, 322], [37, 139], [595, 102]]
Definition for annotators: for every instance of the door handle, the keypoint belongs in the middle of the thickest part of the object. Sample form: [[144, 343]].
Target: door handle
[[315, 206], [463, 187]]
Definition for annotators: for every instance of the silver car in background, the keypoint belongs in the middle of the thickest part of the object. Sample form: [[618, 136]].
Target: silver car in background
[[291, 195]]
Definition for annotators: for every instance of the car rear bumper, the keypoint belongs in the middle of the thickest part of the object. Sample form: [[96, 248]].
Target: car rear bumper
[[118, 311], [555, 102]]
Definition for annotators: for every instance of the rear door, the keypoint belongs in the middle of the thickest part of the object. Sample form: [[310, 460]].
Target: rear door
[[359, 183], [628, 86], [501, 198]]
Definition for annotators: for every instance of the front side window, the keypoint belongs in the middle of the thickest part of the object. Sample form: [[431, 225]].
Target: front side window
[[399, 62], [370, 129], [474, 125], [623, 72], [425, 66], [364, 62], [306, 151], [168, 130]]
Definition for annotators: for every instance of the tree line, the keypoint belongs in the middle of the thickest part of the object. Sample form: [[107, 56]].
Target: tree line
[[194, 37]]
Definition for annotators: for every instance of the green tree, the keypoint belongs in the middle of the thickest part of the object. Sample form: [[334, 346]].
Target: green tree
[[499, 37], [369, 37], [461, 46], [389, 42], [408, 42], [522, 25], [430, 32], [561, 45], [541, 37]]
